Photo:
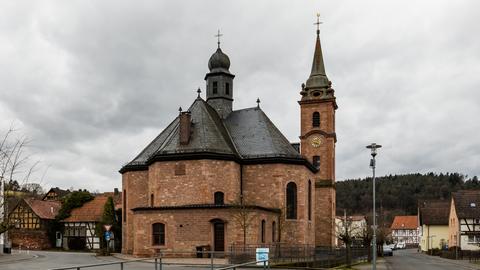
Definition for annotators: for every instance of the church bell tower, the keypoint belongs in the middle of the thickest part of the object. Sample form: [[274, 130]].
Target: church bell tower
[[220, 82], [317, 143]]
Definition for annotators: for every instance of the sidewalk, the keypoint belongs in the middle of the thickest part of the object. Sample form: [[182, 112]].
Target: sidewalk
[[464, 263], [381, 265], [16, 256], [179, 261]]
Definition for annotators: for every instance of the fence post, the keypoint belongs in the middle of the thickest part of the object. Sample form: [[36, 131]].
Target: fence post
[[121, 266], [211, 259], [156, 263], [264, 265], [161, 260]]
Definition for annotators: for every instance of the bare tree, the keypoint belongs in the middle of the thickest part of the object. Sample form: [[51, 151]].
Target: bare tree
[[347, 231], [244, 217], [15, 165]]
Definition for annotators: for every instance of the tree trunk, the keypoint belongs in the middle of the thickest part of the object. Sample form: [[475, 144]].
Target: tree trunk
[[348, 255]]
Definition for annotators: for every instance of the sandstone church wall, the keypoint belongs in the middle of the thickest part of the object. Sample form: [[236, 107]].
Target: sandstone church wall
[[265, 185], [193, 182], [135, 192], [190, 228]]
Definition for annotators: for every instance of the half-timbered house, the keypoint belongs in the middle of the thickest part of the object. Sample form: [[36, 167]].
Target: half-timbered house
[[405, 230], [55, 194], [31, 218], [464, 220], [79, 232]]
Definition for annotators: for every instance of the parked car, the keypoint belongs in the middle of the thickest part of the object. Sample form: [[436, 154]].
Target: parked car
[[401, 245], [387, 251]]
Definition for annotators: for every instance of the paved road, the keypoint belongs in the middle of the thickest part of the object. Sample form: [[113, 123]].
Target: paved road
[[410, 259], [42, 260]]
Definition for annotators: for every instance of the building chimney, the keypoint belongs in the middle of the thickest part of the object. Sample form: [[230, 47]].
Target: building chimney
[[185, 127]]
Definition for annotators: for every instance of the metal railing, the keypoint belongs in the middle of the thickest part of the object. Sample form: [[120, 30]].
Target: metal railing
[[158, 265], [159, 260]]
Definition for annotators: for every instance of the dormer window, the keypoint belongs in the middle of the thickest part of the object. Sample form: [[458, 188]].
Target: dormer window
[[215, 88]]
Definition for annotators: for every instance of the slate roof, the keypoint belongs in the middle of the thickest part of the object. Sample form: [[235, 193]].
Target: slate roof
[[467, 203], [90, 211], [434, 212], [405, 223], [44, 209], [244, 134]]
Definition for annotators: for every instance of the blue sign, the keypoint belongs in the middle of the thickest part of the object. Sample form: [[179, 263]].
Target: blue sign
[[262, 255]]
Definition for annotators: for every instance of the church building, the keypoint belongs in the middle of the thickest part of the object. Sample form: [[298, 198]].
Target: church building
[[217, 177]]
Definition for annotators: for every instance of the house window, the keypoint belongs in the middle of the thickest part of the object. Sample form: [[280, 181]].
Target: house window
[[227, 89], [218, 197], [158, 234], [316, 162], [291, 201], [215, 88], [316, 119], [309, 200], [263, 231], [274, 231]]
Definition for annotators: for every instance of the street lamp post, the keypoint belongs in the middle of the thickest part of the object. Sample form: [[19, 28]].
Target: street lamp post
[[373, 147]]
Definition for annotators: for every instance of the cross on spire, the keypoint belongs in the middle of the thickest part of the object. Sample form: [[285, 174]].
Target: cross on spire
[[318, 23], [198, 92], [218, 35]]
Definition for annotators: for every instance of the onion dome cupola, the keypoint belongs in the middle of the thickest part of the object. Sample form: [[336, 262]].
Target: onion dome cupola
[[220, 82], [318, 86]]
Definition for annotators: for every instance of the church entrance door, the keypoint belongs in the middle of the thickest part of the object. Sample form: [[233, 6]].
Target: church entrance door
[[219, 236]]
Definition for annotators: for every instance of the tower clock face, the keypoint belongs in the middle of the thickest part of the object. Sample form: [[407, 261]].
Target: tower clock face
[[316, 141]]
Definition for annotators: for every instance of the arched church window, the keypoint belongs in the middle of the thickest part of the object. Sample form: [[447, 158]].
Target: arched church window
[[316, 119], [291, 201], [309, 200], [263, 231], [151, 200], [218, 197], [215, 88], [274, 230], [158, 234], [316, 161], [227, 88]]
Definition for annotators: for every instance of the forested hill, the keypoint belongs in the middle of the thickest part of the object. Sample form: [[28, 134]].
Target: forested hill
[[398, 194]]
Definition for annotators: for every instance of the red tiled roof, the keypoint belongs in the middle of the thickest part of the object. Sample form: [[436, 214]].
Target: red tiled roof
[[44, 209], [90, 211], [405, 222]]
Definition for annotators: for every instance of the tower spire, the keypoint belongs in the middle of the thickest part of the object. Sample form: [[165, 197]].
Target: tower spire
[[318, 78], [318, 67]]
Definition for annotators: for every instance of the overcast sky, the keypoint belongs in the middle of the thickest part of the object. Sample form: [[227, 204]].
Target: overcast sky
[[91, 83]]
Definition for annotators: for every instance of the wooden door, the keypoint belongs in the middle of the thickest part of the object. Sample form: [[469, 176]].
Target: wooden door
[[219, 236]]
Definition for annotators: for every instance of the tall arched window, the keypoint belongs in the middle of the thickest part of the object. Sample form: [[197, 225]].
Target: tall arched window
[[151, 200], [263, 231], [309, 200], [124, 205], [158, 234], [291, 201], [316, 119], [274, 231], [218, 197]]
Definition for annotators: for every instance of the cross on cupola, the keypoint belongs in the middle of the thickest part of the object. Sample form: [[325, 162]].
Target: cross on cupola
[[218, 35]]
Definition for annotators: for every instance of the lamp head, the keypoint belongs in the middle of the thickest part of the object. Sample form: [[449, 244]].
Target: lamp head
[[373, 147]]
